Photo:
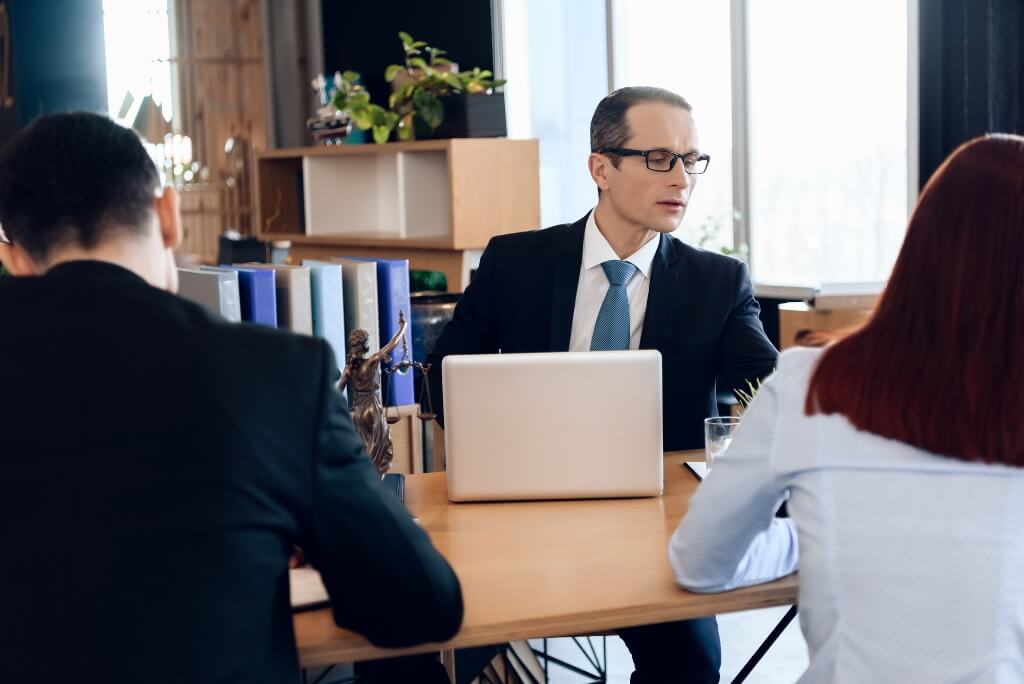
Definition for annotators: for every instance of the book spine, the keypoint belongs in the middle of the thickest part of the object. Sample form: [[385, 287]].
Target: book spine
[[230, 298], [393, 296], [264, 298]]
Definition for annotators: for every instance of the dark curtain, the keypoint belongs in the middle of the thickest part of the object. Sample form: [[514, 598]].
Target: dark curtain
[[971, 74]]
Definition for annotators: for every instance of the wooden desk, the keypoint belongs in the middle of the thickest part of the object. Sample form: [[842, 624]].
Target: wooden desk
[[534, 569]]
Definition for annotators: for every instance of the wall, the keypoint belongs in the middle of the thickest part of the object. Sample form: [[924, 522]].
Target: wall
[[363, 37], [221, 95]]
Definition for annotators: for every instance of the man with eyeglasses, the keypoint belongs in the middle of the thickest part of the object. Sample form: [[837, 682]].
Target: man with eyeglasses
[[617, 279]]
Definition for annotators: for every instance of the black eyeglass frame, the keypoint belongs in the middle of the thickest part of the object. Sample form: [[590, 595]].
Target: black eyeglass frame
[[627, 152]]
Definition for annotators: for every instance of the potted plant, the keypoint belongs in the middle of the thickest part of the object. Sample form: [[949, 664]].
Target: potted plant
[[432, 98], [351, 97], [418, 86], [476, 111]]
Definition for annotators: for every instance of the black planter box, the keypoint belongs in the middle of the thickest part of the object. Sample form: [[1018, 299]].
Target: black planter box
[[473, 116]]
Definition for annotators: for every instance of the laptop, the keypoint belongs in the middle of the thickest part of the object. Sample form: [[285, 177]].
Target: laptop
[[566, 425]]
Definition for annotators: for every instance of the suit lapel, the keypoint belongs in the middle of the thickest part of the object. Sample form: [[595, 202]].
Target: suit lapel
[[566, 278], [664, 276]]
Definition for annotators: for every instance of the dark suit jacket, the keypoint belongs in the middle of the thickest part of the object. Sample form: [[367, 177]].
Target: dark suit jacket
[[701, 315], [156, 466]]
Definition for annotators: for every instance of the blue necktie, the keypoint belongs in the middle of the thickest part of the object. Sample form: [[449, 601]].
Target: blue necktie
[[612, 328]]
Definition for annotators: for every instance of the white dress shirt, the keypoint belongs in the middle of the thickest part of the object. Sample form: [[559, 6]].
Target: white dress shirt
[[592, 286], [911, 564]]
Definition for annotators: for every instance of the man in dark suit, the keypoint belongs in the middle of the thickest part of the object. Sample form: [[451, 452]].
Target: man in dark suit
[[616, 279], [158, 464]]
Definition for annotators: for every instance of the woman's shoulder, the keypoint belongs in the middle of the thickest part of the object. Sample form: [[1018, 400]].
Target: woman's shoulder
[[796, 365]]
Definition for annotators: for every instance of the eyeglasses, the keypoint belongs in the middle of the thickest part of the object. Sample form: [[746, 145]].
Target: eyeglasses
[[664, 161]]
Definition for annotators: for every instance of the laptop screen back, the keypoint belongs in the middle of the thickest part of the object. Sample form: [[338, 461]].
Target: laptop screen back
[[553, 425]]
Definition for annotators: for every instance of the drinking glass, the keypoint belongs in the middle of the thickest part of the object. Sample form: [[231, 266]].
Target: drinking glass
[[717, 436]]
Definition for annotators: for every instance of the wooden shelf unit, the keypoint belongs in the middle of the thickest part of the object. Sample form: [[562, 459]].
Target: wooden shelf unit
[[434, 202]]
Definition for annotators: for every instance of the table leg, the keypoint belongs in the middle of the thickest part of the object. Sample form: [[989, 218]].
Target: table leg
[[448, 660], [765, 645]]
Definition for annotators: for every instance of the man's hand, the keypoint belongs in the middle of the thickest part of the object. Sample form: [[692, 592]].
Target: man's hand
[[297, 559]]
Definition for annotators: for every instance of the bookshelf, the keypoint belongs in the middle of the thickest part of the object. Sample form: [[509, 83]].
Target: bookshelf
[[433, 202]]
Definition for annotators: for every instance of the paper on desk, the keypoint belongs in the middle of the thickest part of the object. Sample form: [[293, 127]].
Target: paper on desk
[[307, 589], [699, 468]]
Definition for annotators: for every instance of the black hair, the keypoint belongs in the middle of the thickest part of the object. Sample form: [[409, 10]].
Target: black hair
[[74, 178], [608, 126]]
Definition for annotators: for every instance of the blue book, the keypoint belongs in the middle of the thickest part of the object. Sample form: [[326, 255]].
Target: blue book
[[392, 298], [328, 306], [259, 297], [257, 293]]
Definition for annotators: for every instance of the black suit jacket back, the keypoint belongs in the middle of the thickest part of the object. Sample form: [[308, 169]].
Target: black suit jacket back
[[701, 315], [156, 466]]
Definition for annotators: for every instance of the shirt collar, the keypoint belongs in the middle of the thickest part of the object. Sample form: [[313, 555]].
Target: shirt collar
[[596, 250]]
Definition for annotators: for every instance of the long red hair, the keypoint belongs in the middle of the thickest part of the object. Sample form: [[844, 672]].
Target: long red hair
[[940, 364]]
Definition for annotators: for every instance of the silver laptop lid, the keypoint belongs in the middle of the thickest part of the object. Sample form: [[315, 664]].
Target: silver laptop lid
[[560, 425]]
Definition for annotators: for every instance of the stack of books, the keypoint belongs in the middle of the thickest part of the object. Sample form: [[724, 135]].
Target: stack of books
[[327, 299]]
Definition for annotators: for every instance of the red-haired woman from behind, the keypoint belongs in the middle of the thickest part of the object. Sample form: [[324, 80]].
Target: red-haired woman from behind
[[900, 449]]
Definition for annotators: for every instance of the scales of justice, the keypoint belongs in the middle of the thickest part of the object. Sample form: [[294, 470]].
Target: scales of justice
[[362, 376]]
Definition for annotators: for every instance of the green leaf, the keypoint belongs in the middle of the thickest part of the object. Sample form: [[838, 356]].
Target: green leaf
[[381, 134], [404, 133], [339, 100], [350, 76], [358, 99], [419, 44], [392, 71], [419, 63], [485, 73], [362, 119], [440, 61], [452, 80], [500, 82], [429, 108], [405, 37], [422, 98], [401, 95]]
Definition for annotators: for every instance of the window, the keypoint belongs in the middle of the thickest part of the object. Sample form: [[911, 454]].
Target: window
[[827, 170], [802, 104], [555, 59], [683, 45], [137, 42]]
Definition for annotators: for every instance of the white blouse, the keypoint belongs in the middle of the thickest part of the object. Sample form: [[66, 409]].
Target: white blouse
[[911, 564]]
